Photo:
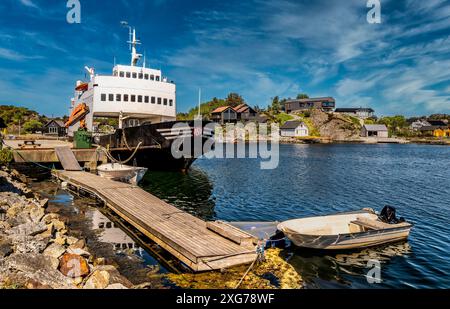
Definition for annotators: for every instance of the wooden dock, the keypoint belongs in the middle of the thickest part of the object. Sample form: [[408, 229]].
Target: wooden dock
[[202, 246]]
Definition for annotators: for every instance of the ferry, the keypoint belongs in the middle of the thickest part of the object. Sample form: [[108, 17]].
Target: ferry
[[144, 103]]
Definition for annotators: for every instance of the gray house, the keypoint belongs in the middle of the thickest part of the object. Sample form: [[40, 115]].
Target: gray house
[[55, 128], [361, 112], [326, 104], [224, 114], [375, 130]]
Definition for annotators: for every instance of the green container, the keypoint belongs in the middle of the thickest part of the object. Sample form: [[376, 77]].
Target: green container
[[82, 140]]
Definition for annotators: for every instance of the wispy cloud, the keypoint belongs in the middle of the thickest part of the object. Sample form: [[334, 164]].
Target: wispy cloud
[[29, 3]]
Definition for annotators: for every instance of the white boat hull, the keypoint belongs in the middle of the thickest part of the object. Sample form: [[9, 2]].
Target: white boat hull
[[317, 233], [124, 173]]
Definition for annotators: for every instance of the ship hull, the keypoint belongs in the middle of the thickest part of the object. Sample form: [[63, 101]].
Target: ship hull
[[151, 145]]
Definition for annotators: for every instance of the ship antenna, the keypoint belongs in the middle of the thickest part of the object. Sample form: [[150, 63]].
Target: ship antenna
[[133, 43]]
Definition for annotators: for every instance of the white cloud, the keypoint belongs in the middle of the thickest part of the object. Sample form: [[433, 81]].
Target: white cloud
[[29, 3]]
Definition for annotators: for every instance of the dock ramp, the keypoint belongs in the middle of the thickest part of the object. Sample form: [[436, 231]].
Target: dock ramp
[[67, 159]]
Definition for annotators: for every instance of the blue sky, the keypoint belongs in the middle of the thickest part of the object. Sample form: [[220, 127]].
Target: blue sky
[[257, 48]]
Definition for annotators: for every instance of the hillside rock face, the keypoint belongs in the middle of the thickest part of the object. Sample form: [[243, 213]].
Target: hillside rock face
[[335, 126]]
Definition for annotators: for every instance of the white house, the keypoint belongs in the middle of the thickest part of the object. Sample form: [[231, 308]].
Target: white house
[[294, 129]]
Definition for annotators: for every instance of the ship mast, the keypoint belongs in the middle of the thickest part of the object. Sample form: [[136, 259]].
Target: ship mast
[[135, 57]]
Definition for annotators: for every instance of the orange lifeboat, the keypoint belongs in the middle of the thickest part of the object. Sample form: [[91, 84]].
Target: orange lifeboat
[[78, 115], [82, 87]]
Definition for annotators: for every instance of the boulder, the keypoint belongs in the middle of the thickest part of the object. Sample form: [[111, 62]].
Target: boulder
[[29, 244], [73, 266], [104, 276], [58, 225], [47, 219], [60, 239], [13, 211], [28, 229], [5, 249], [79, 252], [80, 244], [36, 214], [72, 240], [38, 268], [54, 250]]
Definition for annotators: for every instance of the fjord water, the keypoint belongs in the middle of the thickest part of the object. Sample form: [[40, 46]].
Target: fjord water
[[314, 180]]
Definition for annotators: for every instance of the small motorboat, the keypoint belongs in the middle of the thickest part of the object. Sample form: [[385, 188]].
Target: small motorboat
[[120, 172], [353, 230]]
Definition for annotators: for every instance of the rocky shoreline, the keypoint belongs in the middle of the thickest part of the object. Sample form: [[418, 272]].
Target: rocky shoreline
[[37, 251]]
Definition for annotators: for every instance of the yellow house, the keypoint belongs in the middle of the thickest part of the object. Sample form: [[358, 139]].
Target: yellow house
[[441, 132]]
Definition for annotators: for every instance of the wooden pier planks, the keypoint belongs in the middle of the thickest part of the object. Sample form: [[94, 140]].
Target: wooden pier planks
[[183, 235], [67, 159]]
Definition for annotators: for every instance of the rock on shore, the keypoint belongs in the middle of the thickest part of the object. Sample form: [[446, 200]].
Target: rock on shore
[[36, 250]]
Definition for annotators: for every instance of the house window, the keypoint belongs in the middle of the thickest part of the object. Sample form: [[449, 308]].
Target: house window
[[157, 78], [139, 99], [153, 100], [53, 130], [122, 74], [146, 76], [146, 99], [118, 97], [103, 97], [110, 97], [133, 98], [152, 77], [125, 97], [170, 102], [159, 101], [165, 102], [128, 74]]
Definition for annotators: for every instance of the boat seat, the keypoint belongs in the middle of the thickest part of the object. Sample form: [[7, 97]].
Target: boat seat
[[372, 224]]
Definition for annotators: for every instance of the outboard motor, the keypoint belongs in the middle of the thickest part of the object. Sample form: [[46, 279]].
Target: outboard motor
[[388, 215]]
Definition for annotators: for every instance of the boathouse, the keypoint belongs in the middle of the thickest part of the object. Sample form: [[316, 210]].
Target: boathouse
[[375, 130], [294, 129], [245, 113]]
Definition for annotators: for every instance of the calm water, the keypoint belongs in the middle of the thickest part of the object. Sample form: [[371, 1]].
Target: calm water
[[315, 180]]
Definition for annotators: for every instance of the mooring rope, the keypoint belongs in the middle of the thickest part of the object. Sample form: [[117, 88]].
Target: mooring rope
[[110, 156]]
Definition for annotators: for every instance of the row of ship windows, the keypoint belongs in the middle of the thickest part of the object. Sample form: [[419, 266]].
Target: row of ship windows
[[138, 75], [136, 98]]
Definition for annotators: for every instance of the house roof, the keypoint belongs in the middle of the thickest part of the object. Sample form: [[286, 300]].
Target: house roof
[[439, 123], [60, 123], [221, 109], [375, 127], [289, 125], [242, 108], [354, 110]]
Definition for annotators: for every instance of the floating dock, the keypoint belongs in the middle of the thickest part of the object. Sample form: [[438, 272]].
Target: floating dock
[[202, 246]]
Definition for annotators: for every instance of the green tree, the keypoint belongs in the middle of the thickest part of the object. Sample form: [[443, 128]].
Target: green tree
[[32, 126], [301, 96], [234, 99], [276, 107]]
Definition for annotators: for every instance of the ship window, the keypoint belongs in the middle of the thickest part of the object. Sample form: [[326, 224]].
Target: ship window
[[103, 97], [165, 101], [146, 100], [122, 74], [135, 75], [146, 76], [125, 97], [153, 100], [157, 78], [141, 76], [170, 102], [128, 74], [118, 97], [133, 98], [110, 97], [159, 101], [139, 99]]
